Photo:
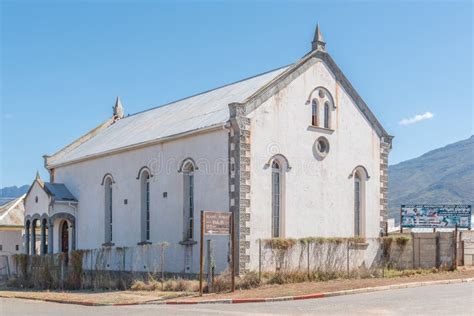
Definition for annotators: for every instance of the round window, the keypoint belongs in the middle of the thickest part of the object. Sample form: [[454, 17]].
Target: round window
[[321, 147]]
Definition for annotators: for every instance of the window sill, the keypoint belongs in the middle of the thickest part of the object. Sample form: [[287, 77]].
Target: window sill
[[188, 242], [142, 243], [108, 244], [320, 129]]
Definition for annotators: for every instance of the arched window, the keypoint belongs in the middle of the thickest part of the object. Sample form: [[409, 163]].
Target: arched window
[[326, 115], [360, 176], [322, 104], [108, 209], [145, 206], [314, 116], [188, 180], [357, 202], [276, 198]]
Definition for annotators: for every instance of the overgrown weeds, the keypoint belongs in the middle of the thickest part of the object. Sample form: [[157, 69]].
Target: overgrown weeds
[[171, 285]]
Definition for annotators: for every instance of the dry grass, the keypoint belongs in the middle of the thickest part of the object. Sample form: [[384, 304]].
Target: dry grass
[[171, 285], [267, 290]]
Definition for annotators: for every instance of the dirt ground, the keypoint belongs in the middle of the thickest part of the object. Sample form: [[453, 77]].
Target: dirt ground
[[266, 291]]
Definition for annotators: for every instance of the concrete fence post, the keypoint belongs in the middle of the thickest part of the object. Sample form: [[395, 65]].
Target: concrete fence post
[[455, 242], [211, 265], [62, 273], [348, 264], [438, 251], [307, 256], [260, 260], [413, 257]]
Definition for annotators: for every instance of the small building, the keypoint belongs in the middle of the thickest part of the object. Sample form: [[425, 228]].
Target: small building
[[11, 226], [51, 212], [293, 152]]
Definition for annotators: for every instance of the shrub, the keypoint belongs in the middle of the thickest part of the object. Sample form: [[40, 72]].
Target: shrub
[[280, 243], [76, 273], [222, 282], [287, 277], [178, 285], [402, 240], [21, 263], [386, 243], [248, 281], [138, 285]]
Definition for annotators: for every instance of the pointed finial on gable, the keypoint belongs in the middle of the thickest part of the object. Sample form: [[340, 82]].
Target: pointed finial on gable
[[118, 109], [318, 40], [37, 175]]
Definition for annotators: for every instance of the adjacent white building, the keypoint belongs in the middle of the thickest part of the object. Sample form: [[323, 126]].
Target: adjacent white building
[[11, 227], [293, 152]]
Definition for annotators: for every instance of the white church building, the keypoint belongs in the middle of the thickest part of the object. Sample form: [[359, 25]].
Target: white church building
[[293, 152]]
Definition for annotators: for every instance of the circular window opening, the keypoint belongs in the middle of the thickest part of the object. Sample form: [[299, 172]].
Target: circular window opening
[[322, 147]]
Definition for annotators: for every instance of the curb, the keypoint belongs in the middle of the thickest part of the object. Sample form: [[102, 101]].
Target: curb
[[258, 300], [316, 295]]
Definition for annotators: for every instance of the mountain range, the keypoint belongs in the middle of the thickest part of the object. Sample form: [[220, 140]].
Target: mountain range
[[9, 193], [441, 176]]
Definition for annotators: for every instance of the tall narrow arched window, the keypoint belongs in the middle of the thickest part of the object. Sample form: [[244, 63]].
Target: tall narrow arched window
[[314, 116], [360, 178], [357, 205], [108, 209], [322, 105], [188, 174], [276, 199], [326, 115], [145, 206]]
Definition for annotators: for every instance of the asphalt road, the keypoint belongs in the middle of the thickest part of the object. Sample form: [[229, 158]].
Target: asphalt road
[[452, 299]]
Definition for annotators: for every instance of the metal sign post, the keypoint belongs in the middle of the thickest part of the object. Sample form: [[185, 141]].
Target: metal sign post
[[217, 223], [232, 249], [201, 250], [401, 219]]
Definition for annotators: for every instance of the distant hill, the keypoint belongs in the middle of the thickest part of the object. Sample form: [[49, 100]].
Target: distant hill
[[9, 193], [443, 175]]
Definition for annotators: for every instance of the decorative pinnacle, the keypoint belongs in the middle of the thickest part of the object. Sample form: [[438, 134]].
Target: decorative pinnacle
[[37, 175], [318, 40], [118, 108]]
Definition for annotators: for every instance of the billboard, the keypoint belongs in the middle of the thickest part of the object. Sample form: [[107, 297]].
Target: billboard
[[435, 216]]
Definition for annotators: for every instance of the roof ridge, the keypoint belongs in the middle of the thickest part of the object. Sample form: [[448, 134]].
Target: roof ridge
[[207, 91]]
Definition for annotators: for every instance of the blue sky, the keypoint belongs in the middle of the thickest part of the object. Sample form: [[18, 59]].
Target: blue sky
[[63, 63]]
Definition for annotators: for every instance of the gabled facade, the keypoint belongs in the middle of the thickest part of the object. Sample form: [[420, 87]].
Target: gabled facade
[[293, 152], [50, 218]]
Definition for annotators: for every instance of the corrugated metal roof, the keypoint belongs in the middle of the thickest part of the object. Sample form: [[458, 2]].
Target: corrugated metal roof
[[193, 113], [13, 212], [59, 191]]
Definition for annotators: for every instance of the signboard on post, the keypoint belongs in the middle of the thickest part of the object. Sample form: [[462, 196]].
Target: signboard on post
[[217, 223], [435, 216]]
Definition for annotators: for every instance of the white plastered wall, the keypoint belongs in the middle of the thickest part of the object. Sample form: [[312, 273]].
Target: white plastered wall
[[318, 194], [208, 150], [31, 206]]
